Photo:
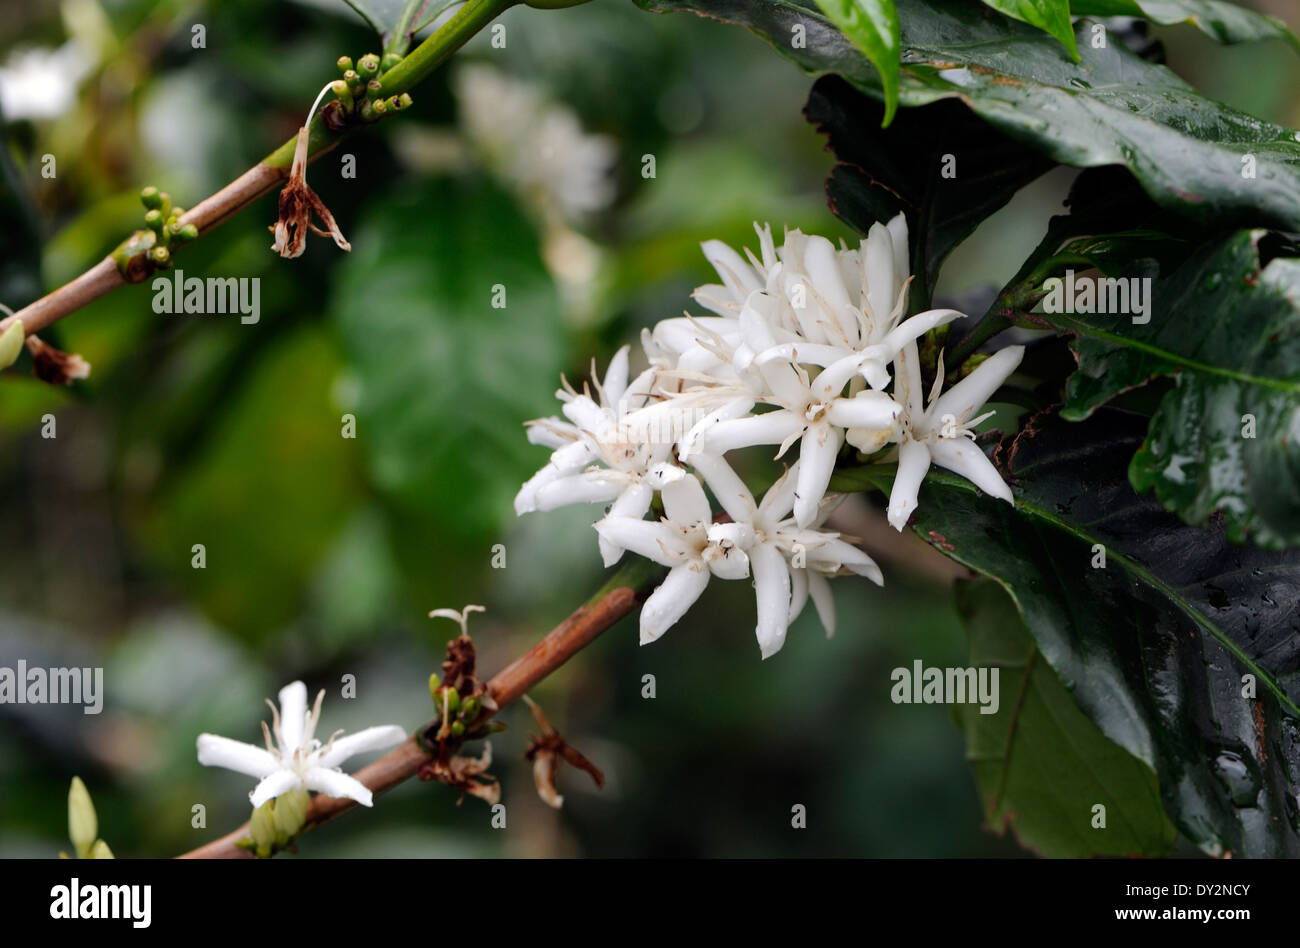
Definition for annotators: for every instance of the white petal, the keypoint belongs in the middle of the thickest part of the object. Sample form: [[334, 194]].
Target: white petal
[[244, 758], [334, 783], [963, 456], [819, 589], [817, 453], [771, 427], [685, 501], [772, 591], [727, 486], [870, 410], [902, 257], [907, 382], [913, 462], [636, 497], [917, 326], [821, 260], [654, 541], [589, 487], [882, 284], [372, 738], [738, 275], [272, 785], [675, 595], [798, 592], [965, 398], [293, 714], [779, 499], [615, 383]]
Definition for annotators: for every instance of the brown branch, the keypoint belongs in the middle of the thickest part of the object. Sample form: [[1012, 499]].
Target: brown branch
[[576, 632]]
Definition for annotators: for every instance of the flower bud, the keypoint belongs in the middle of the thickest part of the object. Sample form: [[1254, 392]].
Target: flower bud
[[291, 812], [434, 684], [457, 728], [160, 256], [100, 850], [11, 344], [150, 198], [342, 93], [373, 88], [188, 232], [261, 827], [83, 826], [368, 65], [449, 698], [345, 65], [154, 221], [470, 708]]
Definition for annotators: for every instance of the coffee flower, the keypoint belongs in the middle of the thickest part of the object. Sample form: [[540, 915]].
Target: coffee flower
[[297, 759], [944, 432]]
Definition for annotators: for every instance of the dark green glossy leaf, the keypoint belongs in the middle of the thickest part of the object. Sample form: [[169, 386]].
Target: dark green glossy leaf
[[447, 380], [945, 184], [871, 26], [1050, 15], [1112, 107], [1156, 644], [1225, 22], [1225, 441], [1041, 765]]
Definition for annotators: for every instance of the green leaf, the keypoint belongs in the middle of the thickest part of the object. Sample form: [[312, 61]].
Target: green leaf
[[1040, 764], [1225, 441], [945, 184], [871, 26], [1225, 22], [1112, 107], [1156, 644], [1050, 15], [447, 379], [382, 15]]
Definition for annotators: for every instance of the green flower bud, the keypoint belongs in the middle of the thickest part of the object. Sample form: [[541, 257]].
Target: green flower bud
[[389, 61], [11, 344], [449, 698], [150, 198], [470, 708], [368, 65], [345, 65], [291, 812], [83, 826], [379, 107], [154, 221], [262, 828], [342, 93], [160, 256], [457, 728], [354, 81], [187, 232], [165, 203], [434, 684], [373, 88]]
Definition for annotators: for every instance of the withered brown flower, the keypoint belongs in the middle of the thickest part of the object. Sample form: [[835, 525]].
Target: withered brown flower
[[54, 366], [297, 202]]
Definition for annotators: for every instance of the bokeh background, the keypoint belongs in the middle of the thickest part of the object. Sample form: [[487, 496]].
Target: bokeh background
[[520, 166]]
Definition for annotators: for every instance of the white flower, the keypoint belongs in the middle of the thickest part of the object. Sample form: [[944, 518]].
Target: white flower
[[787, 561], [943, 433], [42, 83], [298, 759], [599, 429], [686, 540], [537, 143]]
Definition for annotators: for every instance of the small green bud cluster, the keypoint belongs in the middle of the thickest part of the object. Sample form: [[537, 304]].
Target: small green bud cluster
[[456, 715], [151, 249], [360, 91]]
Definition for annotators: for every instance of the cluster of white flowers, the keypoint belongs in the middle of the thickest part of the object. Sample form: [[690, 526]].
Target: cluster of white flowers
[[799, 348]]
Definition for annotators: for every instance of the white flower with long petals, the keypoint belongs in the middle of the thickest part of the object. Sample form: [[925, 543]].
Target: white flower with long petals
[[632, 466], [688, 541], [943, 433], [787, 561], [297, 759]]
